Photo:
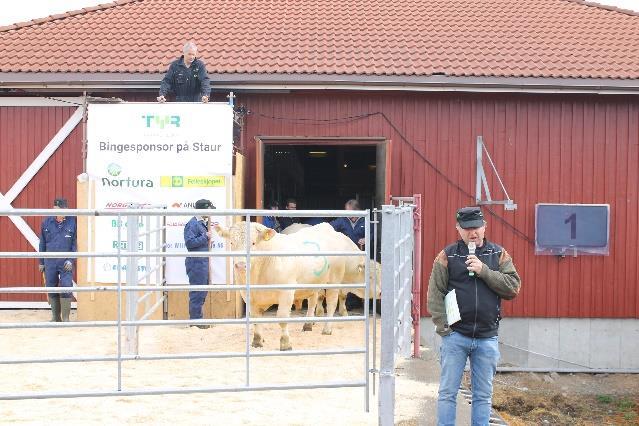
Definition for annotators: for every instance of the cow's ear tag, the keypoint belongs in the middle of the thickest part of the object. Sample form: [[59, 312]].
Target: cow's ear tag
[[268, 234]]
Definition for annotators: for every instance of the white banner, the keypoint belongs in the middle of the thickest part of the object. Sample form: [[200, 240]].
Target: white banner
[[160, 139], [129, 163]]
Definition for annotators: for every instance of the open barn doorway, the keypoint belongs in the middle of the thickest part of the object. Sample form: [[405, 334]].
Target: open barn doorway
[[323, 173]]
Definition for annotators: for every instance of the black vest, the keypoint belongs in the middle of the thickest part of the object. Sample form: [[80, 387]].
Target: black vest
[[479, 306]]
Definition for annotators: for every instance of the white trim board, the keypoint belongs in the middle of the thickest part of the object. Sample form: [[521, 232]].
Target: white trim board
[[30, 305], [28, 101]]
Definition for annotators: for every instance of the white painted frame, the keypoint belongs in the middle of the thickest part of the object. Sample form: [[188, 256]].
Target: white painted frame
[[36, 165]]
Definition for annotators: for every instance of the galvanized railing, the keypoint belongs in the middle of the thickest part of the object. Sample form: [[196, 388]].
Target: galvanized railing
[[397, 283], [132, 287]]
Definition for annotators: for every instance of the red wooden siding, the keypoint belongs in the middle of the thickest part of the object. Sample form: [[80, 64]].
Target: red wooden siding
[[550, 148], [24, 132]]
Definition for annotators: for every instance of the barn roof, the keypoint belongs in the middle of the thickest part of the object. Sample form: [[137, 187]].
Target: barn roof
[[332, 39]]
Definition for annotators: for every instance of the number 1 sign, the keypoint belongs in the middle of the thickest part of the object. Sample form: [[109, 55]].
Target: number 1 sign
[[571, 229]]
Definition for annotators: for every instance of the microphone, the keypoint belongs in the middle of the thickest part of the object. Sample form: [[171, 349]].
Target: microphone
[[471, 250]]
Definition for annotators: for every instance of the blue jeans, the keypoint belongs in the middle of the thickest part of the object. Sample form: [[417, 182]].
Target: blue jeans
[[484, 355]]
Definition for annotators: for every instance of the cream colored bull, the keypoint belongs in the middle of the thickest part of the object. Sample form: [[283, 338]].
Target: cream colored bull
[[267, 270], [291, 229], [375, 268], [297, 302], [353, 274]]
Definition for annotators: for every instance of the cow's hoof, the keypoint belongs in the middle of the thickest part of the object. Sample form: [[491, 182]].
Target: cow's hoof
[[258, 343], [307, 327], [285, 344], [343, 313], [327, 332]]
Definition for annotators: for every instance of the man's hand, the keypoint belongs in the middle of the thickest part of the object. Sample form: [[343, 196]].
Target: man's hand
[[361, 242], [68, 266], [474, 264], [41, 268], [161, 99], [205, 99]]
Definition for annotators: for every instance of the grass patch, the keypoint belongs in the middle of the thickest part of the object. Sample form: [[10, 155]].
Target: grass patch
[[604, 399], [630, 416], [625, 404]]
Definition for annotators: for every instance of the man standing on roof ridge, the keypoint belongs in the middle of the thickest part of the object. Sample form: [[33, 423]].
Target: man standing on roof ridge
[[186, 78]]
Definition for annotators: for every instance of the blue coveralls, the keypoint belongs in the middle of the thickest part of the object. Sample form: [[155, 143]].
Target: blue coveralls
[[197, 268], [314, 220], [54, 237], [354, 231], [188, 84], [273, 223]]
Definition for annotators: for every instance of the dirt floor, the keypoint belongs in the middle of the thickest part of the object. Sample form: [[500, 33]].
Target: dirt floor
[[300, 407], [521, 399], [567, 399]]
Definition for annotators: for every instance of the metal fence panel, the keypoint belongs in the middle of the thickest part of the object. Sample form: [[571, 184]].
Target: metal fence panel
[[128, 350], [397, 284]]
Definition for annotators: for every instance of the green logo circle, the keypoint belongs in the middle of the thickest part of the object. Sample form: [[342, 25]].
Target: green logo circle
[[114, 169]]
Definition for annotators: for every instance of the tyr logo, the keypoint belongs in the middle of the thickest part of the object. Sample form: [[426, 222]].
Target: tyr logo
[[161, 120]]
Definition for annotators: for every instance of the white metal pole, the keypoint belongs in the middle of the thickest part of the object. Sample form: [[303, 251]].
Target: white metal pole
[[131, 346], [387, 353], [119, 303], [367, 281]]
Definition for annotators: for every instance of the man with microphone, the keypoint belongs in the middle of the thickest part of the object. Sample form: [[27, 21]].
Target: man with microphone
[[481, 273]]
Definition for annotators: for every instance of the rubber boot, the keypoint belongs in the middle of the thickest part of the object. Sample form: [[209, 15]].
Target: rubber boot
[[54, 301], [65, 308]]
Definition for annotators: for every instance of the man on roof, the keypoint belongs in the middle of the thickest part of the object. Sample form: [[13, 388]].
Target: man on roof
[[186, 78]]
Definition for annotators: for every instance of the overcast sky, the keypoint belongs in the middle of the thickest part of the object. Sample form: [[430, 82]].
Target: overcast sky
[[25, 10]]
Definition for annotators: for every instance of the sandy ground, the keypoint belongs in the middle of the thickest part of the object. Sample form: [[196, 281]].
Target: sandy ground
[[299, 407]]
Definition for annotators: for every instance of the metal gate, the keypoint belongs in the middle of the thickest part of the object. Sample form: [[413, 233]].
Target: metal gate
[[397, 283], [128, 351]]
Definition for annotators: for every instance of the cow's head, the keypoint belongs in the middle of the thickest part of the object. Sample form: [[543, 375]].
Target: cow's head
[[236, 234]]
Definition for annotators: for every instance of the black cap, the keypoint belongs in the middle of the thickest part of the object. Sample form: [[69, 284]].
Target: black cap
[[204, 204], [470, 217], [60, 202]]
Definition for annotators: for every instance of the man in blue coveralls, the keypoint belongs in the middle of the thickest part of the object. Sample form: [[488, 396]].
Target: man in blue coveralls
[[58, 234], [197, 237]]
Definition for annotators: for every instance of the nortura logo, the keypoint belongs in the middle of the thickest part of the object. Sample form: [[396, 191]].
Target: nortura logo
[[127, 183], [161, 121], [114, 169]]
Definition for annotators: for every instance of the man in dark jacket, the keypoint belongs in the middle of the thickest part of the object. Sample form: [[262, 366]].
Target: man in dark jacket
[[353, 227], [286, 221], [58, 233], [186, 78], [480, 281], [197, 237]]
